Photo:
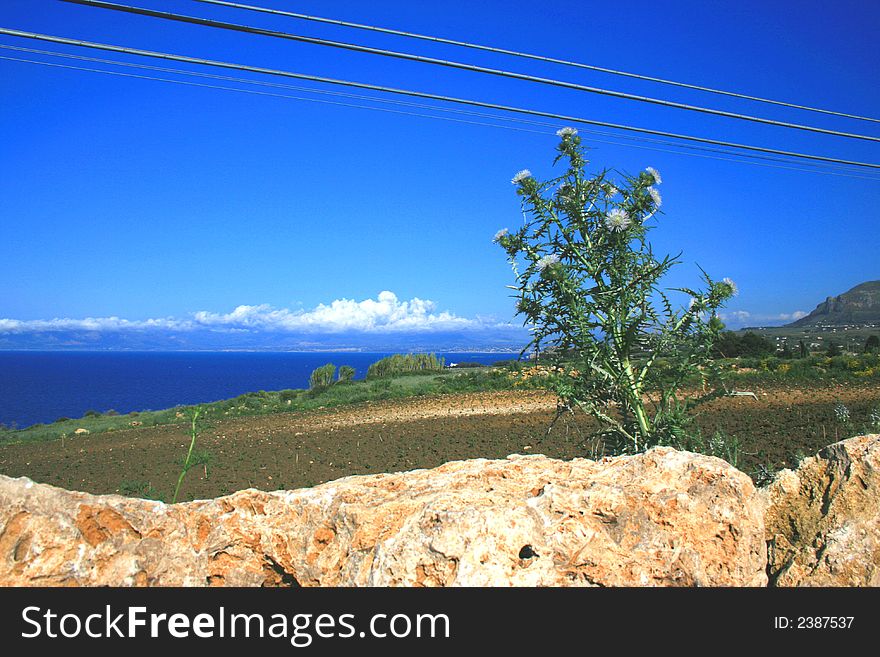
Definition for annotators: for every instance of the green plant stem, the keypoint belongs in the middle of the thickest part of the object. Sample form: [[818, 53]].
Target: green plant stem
[[636, 400], [192, 444]]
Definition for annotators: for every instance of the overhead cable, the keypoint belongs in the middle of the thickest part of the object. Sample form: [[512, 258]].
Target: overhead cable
[[525, 55], [420, 94], [392, 101], [461, 66], [749, 158]]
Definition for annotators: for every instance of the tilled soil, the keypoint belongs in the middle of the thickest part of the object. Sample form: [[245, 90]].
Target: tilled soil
[[293, 450]]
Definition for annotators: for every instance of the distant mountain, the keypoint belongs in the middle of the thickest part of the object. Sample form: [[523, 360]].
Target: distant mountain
[[861, 305], [500, 338]]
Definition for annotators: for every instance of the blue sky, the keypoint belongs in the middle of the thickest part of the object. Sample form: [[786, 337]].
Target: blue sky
[[145, 200]]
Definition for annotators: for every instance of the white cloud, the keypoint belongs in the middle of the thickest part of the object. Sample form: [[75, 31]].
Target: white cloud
[[743, 317], [90, 324], [386, 313], [736, 316]]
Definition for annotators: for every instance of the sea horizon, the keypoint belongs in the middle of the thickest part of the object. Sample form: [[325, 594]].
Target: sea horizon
[[42, 386]]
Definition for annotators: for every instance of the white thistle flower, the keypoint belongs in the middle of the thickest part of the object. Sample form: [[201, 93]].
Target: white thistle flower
[[655, 174], [566, 132], [521, 176], [501, 233], [547, 261], [655, 196], [734, 289], [617, 220]]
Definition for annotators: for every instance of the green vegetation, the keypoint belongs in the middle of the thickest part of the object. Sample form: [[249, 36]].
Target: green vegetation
[[405, 364], [346, 374], [813, 368], [588, 285], [141, 489], [852, 339], [188, 462], [322, 377], [833, 350], [734, 345], [254, 440], [741, 373], [280, 401], [718, 444]]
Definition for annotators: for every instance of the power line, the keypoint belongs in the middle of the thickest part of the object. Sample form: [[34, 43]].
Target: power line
[[267, 93], [461, 66], [420, 94], [541, 58], [749, 159], [746, 157]]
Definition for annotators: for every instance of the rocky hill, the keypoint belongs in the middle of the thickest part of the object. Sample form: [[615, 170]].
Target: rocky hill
[[859, 306]]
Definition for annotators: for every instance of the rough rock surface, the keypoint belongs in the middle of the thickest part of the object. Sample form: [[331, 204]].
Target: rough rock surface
[[661, 518], [823, 520]]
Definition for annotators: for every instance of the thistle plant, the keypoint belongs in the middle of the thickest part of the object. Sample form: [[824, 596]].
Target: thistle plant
[[588, 284], [841, 413], [874, 418]]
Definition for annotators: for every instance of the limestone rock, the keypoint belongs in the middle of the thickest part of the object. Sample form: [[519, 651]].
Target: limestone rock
[[823, 519], [663, 518]]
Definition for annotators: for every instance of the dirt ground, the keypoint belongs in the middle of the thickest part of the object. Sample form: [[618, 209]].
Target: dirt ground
[[294, 450]]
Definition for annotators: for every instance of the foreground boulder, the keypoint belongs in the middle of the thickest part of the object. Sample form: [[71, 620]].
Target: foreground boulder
[[823, 520], [663, 518]]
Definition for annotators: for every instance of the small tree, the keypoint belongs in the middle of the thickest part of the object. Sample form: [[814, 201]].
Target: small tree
[[833, 350], [322, 377], [346, 373], [872, 344], [752, 344], [727, 345], [588, 284]]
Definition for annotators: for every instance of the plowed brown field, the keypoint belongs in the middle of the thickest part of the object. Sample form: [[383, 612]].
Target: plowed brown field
[[292, 450]]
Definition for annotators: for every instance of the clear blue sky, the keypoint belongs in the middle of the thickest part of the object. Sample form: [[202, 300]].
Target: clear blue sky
[[140, 199]]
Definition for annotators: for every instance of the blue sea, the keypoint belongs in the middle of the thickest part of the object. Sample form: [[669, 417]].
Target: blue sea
[[41, 386]]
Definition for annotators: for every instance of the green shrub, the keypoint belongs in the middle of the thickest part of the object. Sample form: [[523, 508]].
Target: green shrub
[[138, 488], [381, 385], [719, 444], [346, 373], [732, 345], [322, 377], [405, 364]]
